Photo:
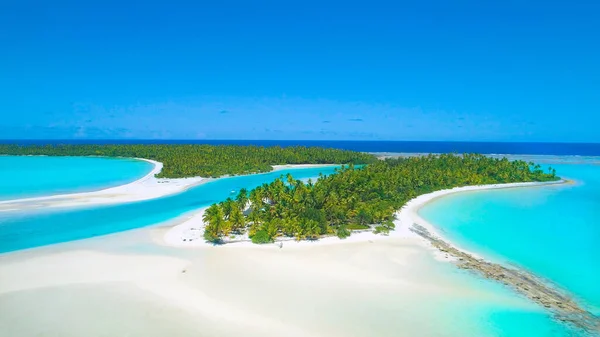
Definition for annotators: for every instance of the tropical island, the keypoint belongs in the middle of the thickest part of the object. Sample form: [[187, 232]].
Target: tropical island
[[367, 198], [193, 160], [355, 198], [363, 195], [176, 168]]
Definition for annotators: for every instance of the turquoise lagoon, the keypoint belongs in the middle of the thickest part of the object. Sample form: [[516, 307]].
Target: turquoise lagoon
[[553, 231], [439, 315], [34, 176], [20, 230]]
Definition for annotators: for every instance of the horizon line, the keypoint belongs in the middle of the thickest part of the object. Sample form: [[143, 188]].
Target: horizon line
[[8, 140]]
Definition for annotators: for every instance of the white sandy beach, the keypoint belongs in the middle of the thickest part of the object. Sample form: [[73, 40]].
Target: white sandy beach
[[147, 187], [295, 166], [189, 229], [126, 285], [409, 214], [142, 283]]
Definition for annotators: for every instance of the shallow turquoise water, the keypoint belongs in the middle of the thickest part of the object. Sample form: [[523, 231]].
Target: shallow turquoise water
[[33, 176], [455, 316], [20, 230], [553, 231]]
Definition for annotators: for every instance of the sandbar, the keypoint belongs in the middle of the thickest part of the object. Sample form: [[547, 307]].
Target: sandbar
[[147, 187], [136, 283]]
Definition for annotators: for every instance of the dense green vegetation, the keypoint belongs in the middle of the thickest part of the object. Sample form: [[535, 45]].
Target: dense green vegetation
[[202, 160], [354, 198]]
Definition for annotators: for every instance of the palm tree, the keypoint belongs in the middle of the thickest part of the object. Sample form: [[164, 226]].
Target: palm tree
[[290, 179], [242, 198], [227, 206], [210, 213], [237, 220], [201, 160], [367, 195]]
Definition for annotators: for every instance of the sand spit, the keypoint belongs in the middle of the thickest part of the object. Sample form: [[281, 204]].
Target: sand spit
[[539, 291], [410, 225], [147, 187], [297, 166]]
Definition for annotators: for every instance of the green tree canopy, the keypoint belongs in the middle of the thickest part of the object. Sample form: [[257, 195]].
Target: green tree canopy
[[190, 160], [367, 197]]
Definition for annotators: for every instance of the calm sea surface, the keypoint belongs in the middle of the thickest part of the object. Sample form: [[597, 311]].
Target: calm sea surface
[[33, 176]]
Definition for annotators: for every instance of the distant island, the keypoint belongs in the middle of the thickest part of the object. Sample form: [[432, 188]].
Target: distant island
[[364, 198], [192, 160]]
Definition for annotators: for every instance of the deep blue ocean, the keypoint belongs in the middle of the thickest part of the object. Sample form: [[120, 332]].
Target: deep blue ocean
[[558, 149]]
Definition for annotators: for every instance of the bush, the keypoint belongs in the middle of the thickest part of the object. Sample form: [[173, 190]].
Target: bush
[[261, 237], [211, 238], [342, 232], [385, 227], [356, 226], [380, 229]]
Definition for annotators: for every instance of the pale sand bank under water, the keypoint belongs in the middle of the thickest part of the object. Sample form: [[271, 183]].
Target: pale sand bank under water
[[189, 234], [145, 188], [125, 284], [131, 284]]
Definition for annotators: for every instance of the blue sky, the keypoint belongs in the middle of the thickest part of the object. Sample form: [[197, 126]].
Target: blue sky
[[420, 70]]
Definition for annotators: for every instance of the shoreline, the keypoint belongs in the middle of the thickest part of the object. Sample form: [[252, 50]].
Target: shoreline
[[210, 289], [411, 226], [559, 302], [198, 283], [145, 188], [409, 213], [187, 230], [299, 166]]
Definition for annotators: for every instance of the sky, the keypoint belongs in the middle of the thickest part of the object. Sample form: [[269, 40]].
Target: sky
[[370, 70]]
